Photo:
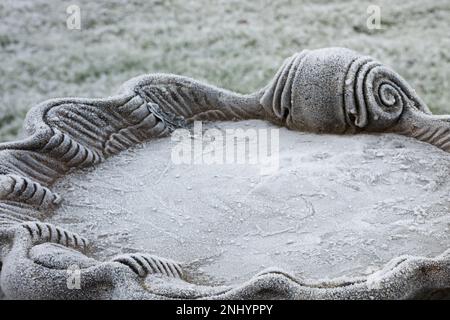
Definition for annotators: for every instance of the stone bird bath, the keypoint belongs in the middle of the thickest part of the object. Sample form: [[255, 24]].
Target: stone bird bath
[[347, 217]]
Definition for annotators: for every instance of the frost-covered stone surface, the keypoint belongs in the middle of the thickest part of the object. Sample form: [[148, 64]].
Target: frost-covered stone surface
[[234, 44], [337, 206], [330, 90]]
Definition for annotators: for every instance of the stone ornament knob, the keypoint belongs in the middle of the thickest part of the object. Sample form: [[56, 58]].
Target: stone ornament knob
[[337, 90]]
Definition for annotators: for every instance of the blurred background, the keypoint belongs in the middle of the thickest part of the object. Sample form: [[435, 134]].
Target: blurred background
[[233, 44]]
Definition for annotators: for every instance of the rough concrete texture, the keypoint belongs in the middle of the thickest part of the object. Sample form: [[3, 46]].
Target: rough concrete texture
[[332, 90]]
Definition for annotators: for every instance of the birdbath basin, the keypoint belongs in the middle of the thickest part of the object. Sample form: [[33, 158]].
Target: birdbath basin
[[333, 186], [335, 206]]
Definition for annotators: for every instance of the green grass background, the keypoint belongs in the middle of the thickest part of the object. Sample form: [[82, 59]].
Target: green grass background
[[234, 44]]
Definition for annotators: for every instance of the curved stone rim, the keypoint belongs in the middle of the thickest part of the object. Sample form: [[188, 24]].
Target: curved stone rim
[[59, 140]]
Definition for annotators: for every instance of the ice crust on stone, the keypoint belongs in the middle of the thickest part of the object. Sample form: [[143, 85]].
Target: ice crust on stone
[[337, 206]]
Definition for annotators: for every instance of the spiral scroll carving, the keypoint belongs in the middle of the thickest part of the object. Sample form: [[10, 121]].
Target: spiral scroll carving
[[375, 96], [337, 90]]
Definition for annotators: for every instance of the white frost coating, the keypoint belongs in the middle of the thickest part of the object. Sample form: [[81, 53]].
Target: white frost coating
[[338, 206], [310, 94]]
